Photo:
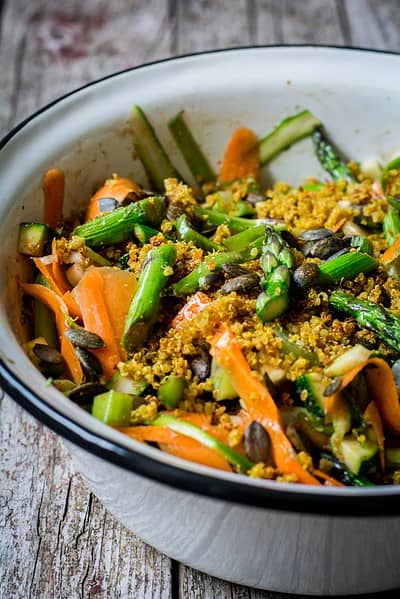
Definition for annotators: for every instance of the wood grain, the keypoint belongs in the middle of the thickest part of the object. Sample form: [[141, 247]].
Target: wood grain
[[56, 539]]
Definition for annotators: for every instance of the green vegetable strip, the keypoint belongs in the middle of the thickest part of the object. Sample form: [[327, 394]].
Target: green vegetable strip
[[113, 408], [117, 226], [362, 244], [235, 223], [293, 348], [213, 264], [313, 186], [151, 153], [369, 315], [186, 233], [347, 267], [394, 165], [286, 133], [171, 391], [44, 320], [391, 225], [145, 304], [329, 159], [195, 432], [143, 233], [191, 151], [241, 240], [276, 261], [97, 258]]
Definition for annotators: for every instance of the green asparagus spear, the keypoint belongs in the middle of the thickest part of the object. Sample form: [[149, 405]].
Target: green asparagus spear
[[391, 225], [347, 267], [213, 264], [145, 304], [191, 151], [117, 226], [329, 159], [235, 223], [286, 133], [143, 233], [276, 261], [151, 153], [195, 432], [362, 244], [96, 258], [236, 243], [187, 233], [372, 316]]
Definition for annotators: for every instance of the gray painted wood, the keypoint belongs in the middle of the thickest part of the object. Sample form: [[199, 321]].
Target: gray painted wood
[[56, 539]]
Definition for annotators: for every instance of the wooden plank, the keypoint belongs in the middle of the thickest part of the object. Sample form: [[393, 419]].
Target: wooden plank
[[204, 25], [60, 541], [293, 22], [374, 24]]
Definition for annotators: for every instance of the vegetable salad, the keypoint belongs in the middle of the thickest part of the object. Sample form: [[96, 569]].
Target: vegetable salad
[[251, 330]]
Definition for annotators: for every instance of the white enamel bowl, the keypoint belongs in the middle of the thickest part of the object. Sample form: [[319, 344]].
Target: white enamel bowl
[[273, 536]]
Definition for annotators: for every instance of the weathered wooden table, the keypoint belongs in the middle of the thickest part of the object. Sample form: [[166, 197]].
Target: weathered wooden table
[[56, 538]]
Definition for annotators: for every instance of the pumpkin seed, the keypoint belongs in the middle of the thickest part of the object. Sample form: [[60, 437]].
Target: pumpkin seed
[[241, 284], [234, 270], [107, 204], [208, 281], [84, 394], [315, 234], [306, 275], [200, 365], [84, 339], [90, 364], [333, 386], [47, 354], [256, 442], [326, 247], [337, 254], [396, 372]]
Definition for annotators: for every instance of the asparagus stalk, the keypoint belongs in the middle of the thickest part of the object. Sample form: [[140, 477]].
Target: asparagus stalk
[[362, 244], [195, 432], [372, 316], [347, 267], [329, 158], [213, 264], [235, 223], [238, 242], [117, 226], [145, 304], [391, 225], [276, 261], [143, 233], [151, 153], [187, 233], [286, 133], [190, 149]]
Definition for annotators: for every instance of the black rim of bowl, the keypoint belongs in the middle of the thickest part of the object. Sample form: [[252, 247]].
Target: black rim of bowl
[[294, 498]]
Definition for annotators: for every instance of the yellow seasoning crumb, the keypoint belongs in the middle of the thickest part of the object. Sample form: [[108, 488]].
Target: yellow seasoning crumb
[[168, 271]]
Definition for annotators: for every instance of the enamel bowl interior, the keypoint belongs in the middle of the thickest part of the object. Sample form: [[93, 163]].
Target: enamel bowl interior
[[85, 135]]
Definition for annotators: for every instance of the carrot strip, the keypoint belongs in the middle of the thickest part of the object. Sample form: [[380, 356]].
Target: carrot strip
[[339, 224], [392, 252], [96, 318], [192, 308], [346, 379], [241, 158], [47, 272], [53, 191], [59, 278], [257, 400], [55, 303], [383, 392], [117, 188], [200, 455], [329, 480], [373, 417], [72, 305], [179, 445]]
